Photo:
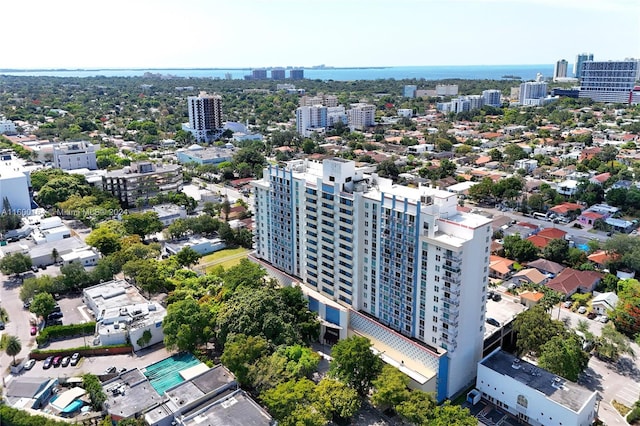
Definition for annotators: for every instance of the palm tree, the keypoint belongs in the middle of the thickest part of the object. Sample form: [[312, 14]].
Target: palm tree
[[13, 347]]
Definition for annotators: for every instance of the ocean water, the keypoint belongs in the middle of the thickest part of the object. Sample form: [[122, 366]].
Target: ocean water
[[470, 72]]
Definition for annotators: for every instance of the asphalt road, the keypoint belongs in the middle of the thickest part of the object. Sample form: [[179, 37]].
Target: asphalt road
[[18, 324]]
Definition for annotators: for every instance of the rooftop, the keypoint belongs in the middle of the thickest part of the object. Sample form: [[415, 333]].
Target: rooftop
[[564, 392], [236, 409], [130, 393]]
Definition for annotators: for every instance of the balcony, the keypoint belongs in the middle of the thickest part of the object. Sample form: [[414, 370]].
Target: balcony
[[453, 314], [452, 300], [449, 321], [452, 257], [455, 291], [451, 268], [450, 341], [453, 279]]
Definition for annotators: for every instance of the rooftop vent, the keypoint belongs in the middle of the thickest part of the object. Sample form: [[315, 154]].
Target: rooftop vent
[[516, 364], [557, 382]]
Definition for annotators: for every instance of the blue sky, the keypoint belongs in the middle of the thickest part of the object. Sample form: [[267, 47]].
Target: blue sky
[[262, 33]]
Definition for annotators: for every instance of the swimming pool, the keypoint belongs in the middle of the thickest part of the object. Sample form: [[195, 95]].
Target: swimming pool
[[165, 374], [583, 247]]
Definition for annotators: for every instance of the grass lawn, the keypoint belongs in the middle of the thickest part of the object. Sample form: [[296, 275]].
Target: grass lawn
[[225, 258]]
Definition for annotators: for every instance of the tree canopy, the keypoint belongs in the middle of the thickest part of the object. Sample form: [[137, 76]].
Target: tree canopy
[[354, 363]]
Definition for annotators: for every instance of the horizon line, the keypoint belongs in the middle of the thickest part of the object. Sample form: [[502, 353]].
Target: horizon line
[[313, 67]]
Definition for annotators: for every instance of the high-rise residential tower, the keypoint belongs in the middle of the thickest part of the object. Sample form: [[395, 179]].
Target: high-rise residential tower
[[310, 119], [580, 59], [398, 265], [492, 97], [532, 92], [205, 116], [560, 69], [610, 81]]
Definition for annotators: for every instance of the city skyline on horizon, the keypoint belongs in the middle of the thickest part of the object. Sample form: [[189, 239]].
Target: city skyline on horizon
[[164, 34]]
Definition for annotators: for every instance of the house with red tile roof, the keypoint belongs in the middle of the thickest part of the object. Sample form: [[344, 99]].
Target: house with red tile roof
[[565, 209], [589, 153], [530, 298], [482, 160], [589, 218], [546, 266], [600, 258], [542, 238], [571, 281], [530, 276], [500, 267], [600, 179]]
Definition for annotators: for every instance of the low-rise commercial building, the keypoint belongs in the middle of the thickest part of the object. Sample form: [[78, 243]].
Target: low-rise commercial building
[[123, 314], [75, 155], [534, 395], [200, 155]]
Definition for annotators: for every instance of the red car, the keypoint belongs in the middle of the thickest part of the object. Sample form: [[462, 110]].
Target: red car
[[34, 331], [56, 361]]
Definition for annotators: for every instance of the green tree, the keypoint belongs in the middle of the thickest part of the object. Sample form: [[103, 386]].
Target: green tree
[[534, 328], [388, 169], [448, 414], [283, 400], [15, 263], [563, 355], [612, 344], [336, 400], [556, 250], [417, 408], [518, 249], [354, 363], [42, 304], [240, 352], [187, 257], [106, 237], [146, 274], [13, 347], [626, 314], [142, 224], [390, 388], [55, 255], [187, 324], [514, 152], [92, 385]]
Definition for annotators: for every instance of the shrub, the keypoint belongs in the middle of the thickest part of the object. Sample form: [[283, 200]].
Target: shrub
[[58, 331]]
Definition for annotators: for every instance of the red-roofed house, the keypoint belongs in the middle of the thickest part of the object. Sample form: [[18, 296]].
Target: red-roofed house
[[482, 160], [600, 179], [565, 209], [530, 298], [600, 258], [542, 238], [500, 267], [589, 218], [571, 281]]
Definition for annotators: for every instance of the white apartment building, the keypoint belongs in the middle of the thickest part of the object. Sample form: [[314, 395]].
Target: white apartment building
[[361, 116], [532, 91], [398, 265], [205, 116], [310, 119], [335, 114], [7, 127], [15, 184], [609, 81], [492, 97], [536, 396], [75, 155], [446, 90]]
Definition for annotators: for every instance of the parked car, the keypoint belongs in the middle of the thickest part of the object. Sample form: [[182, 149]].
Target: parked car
[[493, 322], [29, 364], [604, 319], [34, 330], [497, 297], [56, 361], [582, 310], [52, 322], [34, 268], [1, 325], [27, 304], [568, 304], [75, 358], [47, 362], [592, 315], [110, 370], [65, 361], [56, 308], [55, 315]]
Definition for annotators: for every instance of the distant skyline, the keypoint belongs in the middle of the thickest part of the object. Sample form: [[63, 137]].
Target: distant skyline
[[338, 33]]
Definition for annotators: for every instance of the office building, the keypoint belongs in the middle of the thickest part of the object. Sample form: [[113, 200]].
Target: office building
[[297, 74], [560, 69], [310, 119], [534, 395], [277, 74], [609, 81], [259, 74], [580, 59], [136, 183], [205, 116], [532, 92], [75, 155], [492, 97], [409, 91], [361, 116], [398, 265]]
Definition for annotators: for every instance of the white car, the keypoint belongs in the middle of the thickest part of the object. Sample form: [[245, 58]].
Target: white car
[[567, 304], [29, 364], [582, 309], [603, 319]]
